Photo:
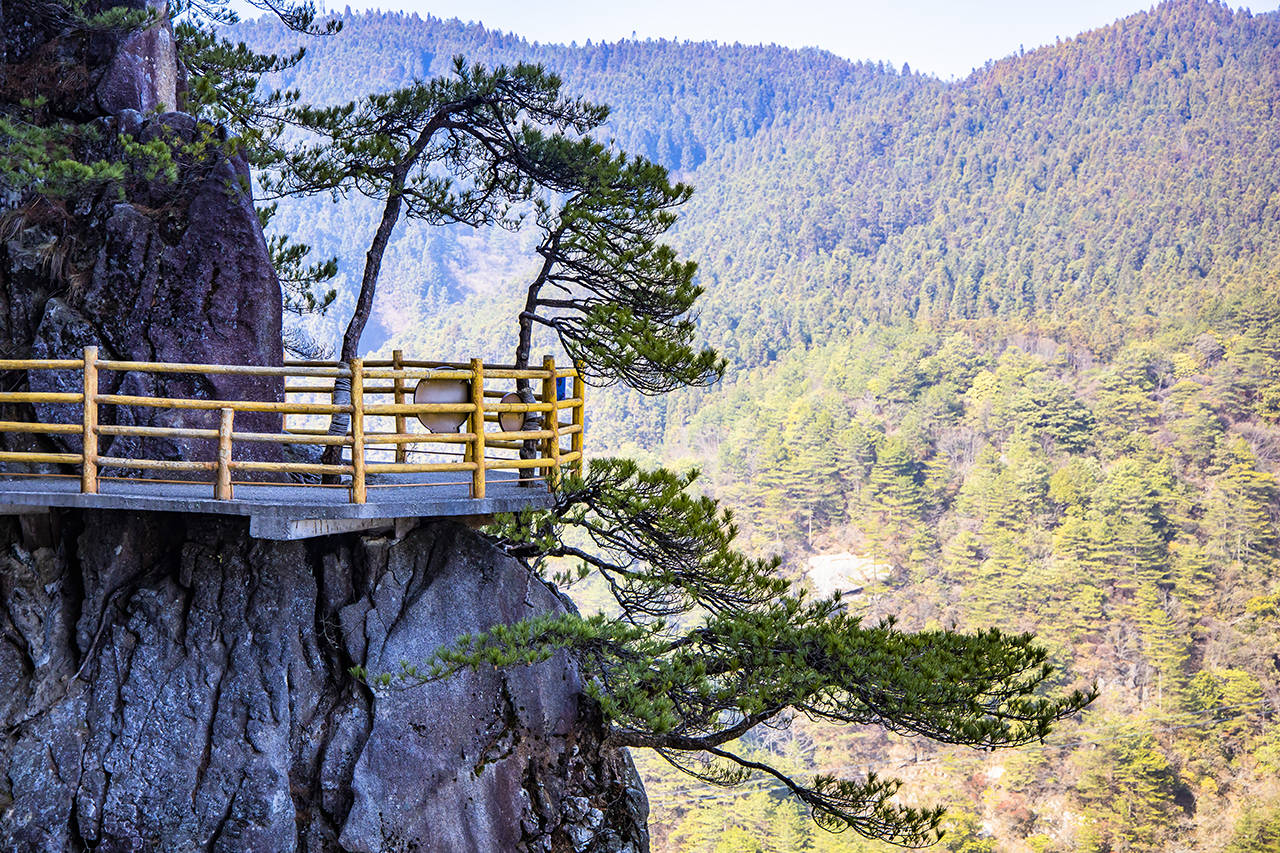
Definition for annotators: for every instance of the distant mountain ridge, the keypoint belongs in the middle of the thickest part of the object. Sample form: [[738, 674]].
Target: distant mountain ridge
[[1099, 179], [670, 100], [676, 103], [1130, 171]]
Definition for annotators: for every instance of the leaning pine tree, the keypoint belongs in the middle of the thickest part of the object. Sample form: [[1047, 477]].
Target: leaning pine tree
[[617, 300], [706, 643]]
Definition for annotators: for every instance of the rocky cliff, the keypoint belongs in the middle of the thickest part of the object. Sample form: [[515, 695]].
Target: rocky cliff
[[171, 269], [166, 682]]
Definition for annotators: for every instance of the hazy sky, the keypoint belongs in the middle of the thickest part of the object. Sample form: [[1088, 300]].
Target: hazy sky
[[944, 37]]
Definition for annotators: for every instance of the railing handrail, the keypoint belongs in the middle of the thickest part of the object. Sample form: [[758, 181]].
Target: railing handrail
[[482, 409]]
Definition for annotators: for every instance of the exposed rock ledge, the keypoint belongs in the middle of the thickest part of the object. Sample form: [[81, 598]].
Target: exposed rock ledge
[[168, 683]]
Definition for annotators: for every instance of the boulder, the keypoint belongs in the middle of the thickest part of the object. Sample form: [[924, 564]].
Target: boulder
[[181, 275], [83, 72], [143, 74]]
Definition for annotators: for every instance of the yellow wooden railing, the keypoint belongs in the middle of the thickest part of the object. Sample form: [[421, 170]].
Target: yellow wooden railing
[[384, 421]]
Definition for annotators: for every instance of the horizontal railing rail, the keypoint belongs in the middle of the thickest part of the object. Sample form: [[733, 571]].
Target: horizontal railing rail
[[387, 422]]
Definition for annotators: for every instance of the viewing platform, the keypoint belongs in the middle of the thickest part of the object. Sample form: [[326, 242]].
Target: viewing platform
[[426, 439]]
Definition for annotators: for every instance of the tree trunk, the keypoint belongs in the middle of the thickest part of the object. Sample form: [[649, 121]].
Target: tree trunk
[[340, 423], [524, 350]]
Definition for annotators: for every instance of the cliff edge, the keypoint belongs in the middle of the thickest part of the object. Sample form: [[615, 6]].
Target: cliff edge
[[167, 682]]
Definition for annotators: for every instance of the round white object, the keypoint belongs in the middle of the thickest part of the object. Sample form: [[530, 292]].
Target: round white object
[[431, 390], [511, 421]]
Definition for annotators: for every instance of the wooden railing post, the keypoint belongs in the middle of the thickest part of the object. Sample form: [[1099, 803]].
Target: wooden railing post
[[397, 364], [222, 491], [358, 492], [577, 442], [477, 428], [551, 421], [89, 437]]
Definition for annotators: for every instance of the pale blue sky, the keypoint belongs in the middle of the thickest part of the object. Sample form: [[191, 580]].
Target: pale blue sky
[[943, 37]]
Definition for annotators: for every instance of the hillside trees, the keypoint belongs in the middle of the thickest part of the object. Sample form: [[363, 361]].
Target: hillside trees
[[1131, 563], [1070, 206], [1114, 191], [1126, 791], [708, 644]]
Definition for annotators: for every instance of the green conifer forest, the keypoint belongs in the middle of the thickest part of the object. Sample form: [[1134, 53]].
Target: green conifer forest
[[1002, 352]]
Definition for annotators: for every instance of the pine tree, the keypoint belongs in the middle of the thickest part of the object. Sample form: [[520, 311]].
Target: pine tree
[[1242, 506], [617, 300], [894, 489], [710, 644], [1126, 787]]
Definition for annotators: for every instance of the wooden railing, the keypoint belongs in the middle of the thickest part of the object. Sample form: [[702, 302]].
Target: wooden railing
[[384, 432]]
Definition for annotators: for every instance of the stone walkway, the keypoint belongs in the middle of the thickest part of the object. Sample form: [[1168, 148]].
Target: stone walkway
[[283, 511]]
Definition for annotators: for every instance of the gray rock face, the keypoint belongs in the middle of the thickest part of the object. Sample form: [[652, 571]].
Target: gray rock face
[[177, 272], [143, 74], [194, 286], [169, 684], [83, 72]]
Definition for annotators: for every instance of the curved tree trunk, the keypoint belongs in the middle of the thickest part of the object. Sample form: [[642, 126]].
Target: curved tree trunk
[[340, 423], [524, 349]]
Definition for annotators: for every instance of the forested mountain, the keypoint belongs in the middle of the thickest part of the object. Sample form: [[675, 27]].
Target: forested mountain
[[1013, 342], [1126, 174], [672, 102]]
